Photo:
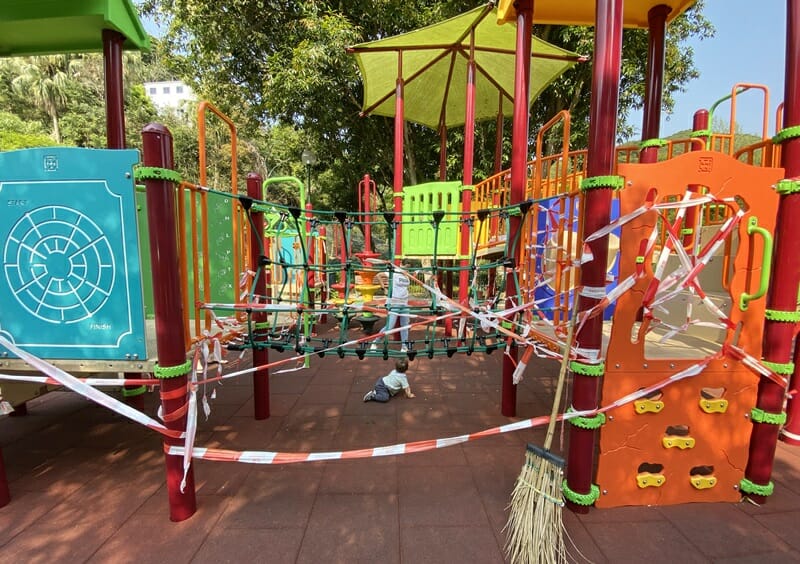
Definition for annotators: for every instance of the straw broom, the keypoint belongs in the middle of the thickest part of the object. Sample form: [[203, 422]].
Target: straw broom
[[534, 531]]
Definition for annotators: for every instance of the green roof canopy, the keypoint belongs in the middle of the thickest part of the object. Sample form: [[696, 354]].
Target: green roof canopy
[[40, 27], [434, 62]]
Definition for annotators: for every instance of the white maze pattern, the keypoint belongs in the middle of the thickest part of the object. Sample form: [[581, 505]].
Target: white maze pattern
[[59, 264]]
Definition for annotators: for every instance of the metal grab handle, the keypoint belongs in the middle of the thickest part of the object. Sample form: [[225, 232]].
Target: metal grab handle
[[766, 264]]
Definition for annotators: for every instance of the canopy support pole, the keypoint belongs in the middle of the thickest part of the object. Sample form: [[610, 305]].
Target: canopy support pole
[[399, 124], [519, 181]]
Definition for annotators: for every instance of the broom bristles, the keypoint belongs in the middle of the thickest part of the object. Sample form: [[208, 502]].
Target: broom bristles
[[534, 527]]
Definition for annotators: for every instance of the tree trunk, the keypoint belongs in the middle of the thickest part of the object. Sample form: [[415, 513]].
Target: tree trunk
[[56, 128]]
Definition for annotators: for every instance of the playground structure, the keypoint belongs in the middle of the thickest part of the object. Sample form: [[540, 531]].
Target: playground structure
[[694, 227]]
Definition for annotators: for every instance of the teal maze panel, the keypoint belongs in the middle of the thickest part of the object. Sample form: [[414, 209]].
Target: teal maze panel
[[71, 285]]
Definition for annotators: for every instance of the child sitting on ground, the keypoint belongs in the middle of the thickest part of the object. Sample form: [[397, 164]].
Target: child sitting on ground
[[391, 384]]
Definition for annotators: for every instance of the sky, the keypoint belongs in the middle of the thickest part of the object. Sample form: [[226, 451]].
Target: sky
[[749, 47]]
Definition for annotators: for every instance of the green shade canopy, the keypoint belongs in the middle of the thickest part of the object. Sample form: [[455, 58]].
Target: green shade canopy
[[435, 59], [40, 27]]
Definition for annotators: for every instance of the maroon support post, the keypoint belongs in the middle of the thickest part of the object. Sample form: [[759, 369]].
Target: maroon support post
[[519, 181], [657, 22], [168, 306], [399, 126], [597, 211], [466, 192], [115, 107], [781, 315], [115, 139], [258, 261]]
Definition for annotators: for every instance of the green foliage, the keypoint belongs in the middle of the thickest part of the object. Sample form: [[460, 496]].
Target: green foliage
[[282, 64], [18, 134]]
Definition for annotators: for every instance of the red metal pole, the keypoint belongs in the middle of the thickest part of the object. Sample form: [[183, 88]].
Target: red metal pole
[[399, 125], [657, 22], [115, 107], [596, 212], [168, 306], [519, 181], [260, 355], [784, 281], [466, 193], [699, 123]]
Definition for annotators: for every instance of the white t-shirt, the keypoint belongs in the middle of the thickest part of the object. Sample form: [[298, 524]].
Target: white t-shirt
[[399, 288], [395, 381]]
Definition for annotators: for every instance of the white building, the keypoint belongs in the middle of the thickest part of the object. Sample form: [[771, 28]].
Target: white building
[[168, 93]]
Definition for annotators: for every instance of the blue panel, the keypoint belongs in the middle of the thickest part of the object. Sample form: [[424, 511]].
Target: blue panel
[[71, 284]]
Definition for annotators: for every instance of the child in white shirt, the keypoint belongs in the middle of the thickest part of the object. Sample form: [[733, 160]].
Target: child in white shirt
[[391, 384]]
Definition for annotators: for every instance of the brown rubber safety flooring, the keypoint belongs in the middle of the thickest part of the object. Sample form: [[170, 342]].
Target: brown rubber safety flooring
[[87, 485]]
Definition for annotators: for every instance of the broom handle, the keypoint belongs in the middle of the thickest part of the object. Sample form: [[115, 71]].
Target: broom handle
[[562, 374]]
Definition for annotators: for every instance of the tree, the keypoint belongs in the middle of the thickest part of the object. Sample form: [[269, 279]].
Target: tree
[[44, 80], [268, 62]]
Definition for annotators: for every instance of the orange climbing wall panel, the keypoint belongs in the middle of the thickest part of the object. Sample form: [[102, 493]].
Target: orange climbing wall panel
[[640, 463]]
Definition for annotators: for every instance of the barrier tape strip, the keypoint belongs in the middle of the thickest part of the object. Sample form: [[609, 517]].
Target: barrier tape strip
[[272, 457], [69, 381], [115, 382]]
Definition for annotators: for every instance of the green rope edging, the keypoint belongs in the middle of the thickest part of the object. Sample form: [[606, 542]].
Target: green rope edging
[[653, 143], [587, 369], [760, 416], [748, 487], [785, 134], [262, 325], [129, 393], [701, 133], [156, 173], [784, 316], [782, 368], [587, 422], [787, 186], [607, 181], [166, 372], [580, 499]]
